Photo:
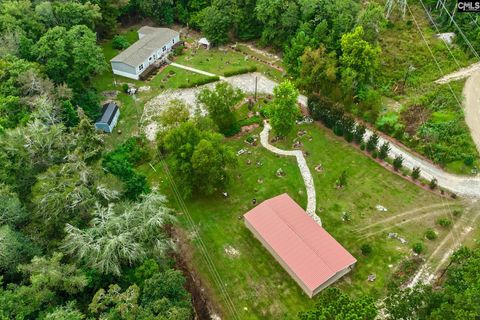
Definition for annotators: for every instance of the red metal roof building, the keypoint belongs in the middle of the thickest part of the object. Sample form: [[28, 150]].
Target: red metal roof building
[[304, 249]]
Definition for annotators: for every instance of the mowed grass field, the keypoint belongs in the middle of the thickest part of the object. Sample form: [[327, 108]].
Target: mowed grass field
[[257, 284]]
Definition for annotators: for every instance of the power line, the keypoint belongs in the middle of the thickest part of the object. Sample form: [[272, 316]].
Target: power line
[[461, 32], [208, 260]]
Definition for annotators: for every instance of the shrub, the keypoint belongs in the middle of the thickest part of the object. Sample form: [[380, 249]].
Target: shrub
[[444, 222], [199, 82], [178, 51], [415, 173], [358, 133], [362, 146], [430, 234], [457, 212], [125, 88], [418, 247], [372, 142], [398, 162], [240, 71], [366, 249], [384, 150], [433, 184], [120, 43]]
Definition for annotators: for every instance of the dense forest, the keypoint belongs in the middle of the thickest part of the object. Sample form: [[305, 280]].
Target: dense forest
[[71, 247]]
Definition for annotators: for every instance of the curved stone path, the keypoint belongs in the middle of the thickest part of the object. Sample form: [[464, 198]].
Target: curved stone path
[[302, 165]]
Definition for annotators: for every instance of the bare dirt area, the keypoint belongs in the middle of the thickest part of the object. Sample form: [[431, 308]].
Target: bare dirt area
[[460, 74], [471, 92]]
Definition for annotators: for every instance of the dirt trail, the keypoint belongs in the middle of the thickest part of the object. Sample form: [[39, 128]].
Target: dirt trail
[[460, 74]]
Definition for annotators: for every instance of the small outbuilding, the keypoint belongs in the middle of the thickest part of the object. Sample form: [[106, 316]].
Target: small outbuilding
[[203, 42], [109, 117], [312, 257]]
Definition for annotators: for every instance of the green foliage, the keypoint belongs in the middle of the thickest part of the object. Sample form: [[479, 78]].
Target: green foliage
[[198, 158], [215, 22], [15, 248], [366, 249], [372, 142], [317, 70], [120, 43], [121, 162], [418, 247], [342, 180], [433, 184], [12, 211], [372, 20], [398, 162], [220, 105], [430, 234], [359, 133], [415, 173], [70, 56], [159, 11], [333, 304], [65, 312], [384, 150], [444, 222], [359, 60], [240, 71], [199, 82], [124, 237], [284, 110]]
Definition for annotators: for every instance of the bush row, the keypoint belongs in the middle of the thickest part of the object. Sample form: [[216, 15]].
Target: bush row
[[199, 82], [240, 71]]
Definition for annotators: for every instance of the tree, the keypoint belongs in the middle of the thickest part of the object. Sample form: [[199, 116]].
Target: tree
[[317, 69], [54, 275], [284, 110], [15, 248], [118, 239], [372, 20], [215, 22], [372, 142], [279, 19], [333, 304], [65, 312], [199, 159], [384, 150], [70, 56], [175, 113], [12, 211], [120, 43], [359, 133], [294, 51], [398, 162], [415, 173], [160, 11], [359, 60], [210, 161], [220, 105]]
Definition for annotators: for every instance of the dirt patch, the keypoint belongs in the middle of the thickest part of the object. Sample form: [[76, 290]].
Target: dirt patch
[[414, 117], [201, 297]]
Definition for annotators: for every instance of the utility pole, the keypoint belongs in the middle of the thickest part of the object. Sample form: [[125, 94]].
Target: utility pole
[[256, 80]]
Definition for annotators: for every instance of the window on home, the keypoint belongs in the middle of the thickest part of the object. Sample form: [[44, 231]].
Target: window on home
[[164, 48], [173, 40], [140, 67], [150, 59]]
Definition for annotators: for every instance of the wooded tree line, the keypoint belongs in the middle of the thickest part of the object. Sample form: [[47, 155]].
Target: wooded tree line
[[82, 235]]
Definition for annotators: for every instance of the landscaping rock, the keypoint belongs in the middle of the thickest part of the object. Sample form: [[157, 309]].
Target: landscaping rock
[[372, 277], [280, 173], [381, 208]]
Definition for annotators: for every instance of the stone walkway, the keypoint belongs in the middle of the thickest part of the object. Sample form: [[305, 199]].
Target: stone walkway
[[304, 170]]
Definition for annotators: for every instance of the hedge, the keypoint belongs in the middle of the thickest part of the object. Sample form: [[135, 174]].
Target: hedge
[[199, 82], [240, 71]]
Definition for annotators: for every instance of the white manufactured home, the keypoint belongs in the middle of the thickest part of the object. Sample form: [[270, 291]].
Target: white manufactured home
[[154, 45]]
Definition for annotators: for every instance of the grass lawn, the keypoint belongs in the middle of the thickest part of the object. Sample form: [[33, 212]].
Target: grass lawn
[[220, 61], [253, 277]]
